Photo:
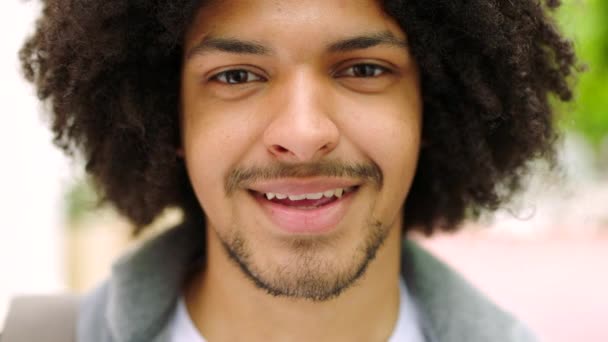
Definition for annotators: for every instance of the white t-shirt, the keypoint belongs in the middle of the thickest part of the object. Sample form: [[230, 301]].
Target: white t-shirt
[[407, 328]]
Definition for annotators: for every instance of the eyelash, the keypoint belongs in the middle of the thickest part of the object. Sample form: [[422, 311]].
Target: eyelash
[[376, 68], [224, 74], [378, 71]]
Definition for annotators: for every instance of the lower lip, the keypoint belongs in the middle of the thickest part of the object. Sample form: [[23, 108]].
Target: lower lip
[[319, 220]]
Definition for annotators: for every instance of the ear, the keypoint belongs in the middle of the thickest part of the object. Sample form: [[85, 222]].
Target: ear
[[180, 152]]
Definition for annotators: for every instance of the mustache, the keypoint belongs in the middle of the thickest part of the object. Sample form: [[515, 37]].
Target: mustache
[[240, 178]]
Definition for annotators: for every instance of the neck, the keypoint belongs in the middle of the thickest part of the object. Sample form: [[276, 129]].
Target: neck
[[226, 306]]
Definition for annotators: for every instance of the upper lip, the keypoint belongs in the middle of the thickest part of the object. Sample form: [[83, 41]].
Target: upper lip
[[302, 186]]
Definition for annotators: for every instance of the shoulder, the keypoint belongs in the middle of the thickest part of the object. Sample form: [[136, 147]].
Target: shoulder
[[137, 301], [451, 308], [92, 320]]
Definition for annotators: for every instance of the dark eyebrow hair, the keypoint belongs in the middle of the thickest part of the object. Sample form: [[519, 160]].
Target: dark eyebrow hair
[[230, 45], [367, 41], [237, 46]]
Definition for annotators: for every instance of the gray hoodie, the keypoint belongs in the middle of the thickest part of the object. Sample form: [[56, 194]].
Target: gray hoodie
[[136, 303]]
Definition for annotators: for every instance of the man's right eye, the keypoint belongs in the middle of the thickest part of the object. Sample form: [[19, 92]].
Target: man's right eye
[[236, 76]]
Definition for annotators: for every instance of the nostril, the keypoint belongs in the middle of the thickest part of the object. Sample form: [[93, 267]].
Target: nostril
[[328, 146], [280, 149]]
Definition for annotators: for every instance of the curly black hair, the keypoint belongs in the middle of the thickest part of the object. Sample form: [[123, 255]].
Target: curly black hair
[[111, 72]]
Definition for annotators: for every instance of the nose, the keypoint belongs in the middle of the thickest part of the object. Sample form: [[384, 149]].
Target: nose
[[301, 129]]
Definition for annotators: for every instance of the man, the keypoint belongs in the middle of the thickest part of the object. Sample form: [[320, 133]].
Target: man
[[302, 140]]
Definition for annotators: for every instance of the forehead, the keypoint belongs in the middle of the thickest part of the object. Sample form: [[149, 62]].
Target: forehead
[[299, 24]]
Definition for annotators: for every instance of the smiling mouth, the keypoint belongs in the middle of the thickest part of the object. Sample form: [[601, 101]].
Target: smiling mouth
[[310, 201]]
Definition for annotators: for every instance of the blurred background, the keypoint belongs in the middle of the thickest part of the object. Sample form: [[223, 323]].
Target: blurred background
[[544, 257]]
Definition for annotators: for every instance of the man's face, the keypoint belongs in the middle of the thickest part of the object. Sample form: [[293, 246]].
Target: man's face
[[317, 101]]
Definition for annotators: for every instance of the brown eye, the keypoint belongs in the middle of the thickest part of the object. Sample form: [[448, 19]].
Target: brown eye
[[236, 76], [365, 70]]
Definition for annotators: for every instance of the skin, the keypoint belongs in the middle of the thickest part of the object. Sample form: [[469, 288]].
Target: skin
[[300, 104]]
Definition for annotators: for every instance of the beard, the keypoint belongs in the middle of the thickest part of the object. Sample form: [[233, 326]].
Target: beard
[[308, 274], [311, 271]]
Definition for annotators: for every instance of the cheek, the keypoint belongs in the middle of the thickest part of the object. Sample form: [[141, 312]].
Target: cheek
[[210, 151], [396, 152], [387, 132], [213, 143]]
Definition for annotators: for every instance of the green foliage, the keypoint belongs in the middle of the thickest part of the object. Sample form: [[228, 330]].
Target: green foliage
[[585, 21], [81, 200]]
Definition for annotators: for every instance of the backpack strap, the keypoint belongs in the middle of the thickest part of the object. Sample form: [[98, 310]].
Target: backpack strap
[[41, 318]]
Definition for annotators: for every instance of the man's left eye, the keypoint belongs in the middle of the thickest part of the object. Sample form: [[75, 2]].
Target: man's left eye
[[364, 70]]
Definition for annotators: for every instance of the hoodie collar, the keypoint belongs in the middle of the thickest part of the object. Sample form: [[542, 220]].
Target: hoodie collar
[[147, 282]]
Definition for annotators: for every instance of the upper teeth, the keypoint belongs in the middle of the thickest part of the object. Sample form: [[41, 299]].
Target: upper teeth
[[314, 196]]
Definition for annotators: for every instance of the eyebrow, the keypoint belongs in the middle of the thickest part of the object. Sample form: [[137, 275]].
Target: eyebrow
[[367, 41], [230, 45], [237, 46]]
